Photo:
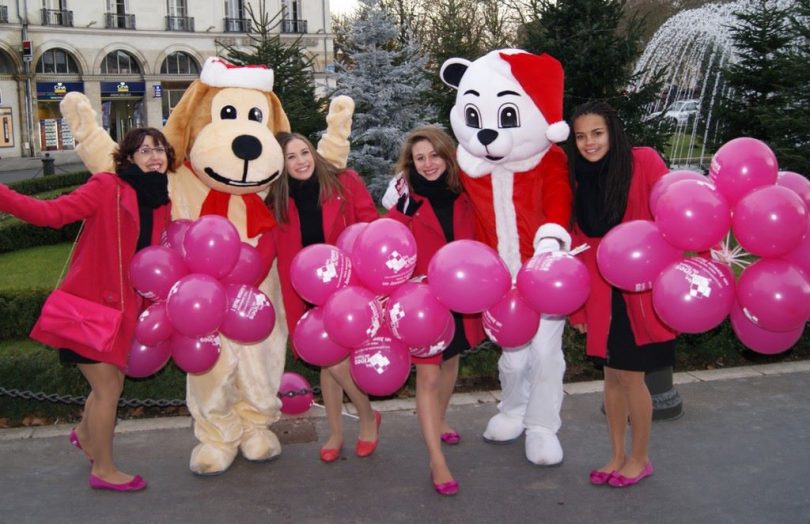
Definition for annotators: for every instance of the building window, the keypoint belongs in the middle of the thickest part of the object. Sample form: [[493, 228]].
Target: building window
[[55, 12], [235, 21], [293, 21], [57, 61], [117, 17], [120, 63], [6, 65], [180, 64]]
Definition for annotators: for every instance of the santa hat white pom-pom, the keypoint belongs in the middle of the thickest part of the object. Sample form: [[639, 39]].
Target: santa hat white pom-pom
[[557, 132]]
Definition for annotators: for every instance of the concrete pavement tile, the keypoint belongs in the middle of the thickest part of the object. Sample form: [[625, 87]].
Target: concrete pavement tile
[[684, 378], [578, 388], [779, 368], [726, 374], [476, 397]]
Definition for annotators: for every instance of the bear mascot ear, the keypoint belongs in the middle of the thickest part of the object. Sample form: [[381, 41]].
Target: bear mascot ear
[[452, 70]]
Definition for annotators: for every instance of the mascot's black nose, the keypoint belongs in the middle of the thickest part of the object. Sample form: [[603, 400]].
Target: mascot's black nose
[[246, 147], [487, 136]]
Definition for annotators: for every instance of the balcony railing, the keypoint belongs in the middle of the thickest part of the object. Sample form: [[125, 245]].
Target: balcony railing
[[116, 21], [291, 25], [61, 17], [3, 14], [237, 25], [180, 23]]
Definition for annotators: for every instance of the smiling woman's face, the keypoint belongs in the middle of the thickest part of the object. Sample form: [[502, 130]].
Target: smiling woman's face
[[150, 156], [591, 135]]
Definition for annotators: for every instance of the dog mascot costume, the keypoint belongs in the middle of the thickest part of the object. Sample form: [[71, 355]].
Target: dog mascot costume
[[508, 113], [222, 131]]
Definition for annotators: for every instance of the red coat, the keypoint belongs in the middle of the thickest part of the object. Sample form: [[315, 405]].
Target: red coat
[[93, 272], [284, 240], [595, 314], [430, 237]]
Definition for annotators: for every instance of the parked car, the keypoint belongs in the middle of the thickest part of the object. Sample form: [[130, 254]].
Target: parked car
[[680, 111]]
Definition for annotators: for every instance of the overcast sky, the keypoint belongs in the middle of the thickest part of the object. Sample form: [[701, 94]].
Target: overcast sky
[[342, 7]]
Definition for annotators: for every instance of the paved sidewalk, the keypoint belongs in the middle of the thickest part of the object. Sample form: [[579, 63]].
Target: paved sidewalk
[[740, 454], [21, 168]]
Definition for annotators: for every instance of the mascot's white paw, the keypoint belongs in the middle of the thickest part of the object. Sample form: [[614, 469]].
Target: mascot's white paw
[[260, 445], [208, 459], [503, 428], [543, 448]]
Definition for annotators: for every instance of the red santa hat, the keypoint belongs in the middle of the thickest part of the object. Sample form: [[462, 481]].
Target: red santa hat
[[218, 72], [541, 76]]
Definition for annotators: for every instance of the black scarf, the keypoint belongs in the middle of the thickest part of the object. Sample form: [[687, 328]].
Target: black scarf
[[441, 198], [151, 191], [306, 194], [589, 200]]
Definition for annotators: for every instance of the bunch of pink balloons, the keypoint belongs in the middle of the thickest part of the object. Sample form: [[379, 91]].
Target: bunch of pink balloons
[[202, 281]]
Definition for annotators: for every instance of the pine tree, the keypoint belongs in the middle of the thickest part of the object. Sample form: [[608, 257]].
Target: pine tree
[[388, 83]]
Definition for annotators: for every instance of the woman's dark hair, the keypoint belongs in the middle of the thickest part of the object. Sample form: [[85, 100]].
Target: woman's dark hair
[[132, 142], [327, 174], [442, 144], [620, 160]]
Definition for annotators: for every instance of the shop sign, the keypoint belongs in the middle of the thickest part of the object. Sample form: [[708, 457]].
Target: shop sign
[[57, 90], [157, 91], [122, 89]]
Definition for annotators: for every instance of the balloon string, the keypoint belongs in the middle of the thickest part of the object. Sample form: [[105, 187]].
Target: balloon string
[[343, 411], [735, 256], [579, 249]]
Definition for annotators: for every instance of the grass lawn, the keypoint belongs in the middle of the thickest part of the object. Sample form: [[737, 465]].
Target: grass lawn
[[34, 268]]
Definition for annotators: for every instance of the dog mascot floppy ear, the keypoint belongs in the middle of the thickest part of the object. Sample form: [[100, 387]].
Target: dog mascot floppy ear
[[508, 113], [222, 131]]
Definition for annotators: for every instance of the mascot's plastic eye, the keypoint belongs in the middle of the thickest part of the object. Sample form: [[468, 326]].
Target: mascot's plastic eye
[[508, 116], [228, 113], [472, 117], [255, 114]]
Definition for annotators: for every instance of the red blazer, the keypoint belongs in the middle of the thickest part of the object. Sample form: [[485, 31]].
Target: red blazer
[[93, 272], [595, 314], [430, 237], [284, 240]]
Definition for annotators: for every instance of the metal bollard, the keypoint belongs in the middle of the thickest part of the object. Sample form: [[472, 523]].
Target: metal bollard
[[48, 167], [667, 403]]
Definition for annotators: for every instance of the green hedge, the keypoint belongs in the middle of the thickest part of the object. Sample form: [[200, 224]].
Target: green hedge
[[19, 311], [33, 186], [16, 235]]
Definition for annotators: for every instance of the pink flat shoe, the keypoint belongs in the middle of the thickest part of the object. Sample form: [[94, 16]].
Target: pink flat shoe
[[599, 478], [620, 481], [451, 437], [136, 484], [74, 440], [445, 489]]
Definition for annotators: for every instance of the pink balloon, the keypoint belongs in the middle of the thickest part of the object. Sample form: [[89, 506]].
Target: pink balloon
[[196, 305], [195, 354], [770, 221], [384, 255], [693, 295], [762, 340], [667, 180], [440, 345], [797, 183], [352, 315], [511, 322], [632, 255], [249, 268], [154, 270], [172, 236], [345, 241], [313, 344], [319, 270], [144, 360], [554, 283], [415, 316], [153, 325], [774, 295], [295, 393], [800, 256], [212, 246], [741, 165], [692, 216], [249, 317], [381, 366], [468, 276]]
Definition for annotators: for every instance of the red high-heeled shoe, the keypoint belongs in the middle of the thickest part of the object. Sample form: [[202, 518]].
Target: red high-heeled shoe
[[364, 448]]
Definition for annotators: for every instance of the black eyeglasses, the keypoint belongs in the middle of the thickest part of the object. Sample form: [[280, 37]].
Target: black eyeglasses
[[146, 151]]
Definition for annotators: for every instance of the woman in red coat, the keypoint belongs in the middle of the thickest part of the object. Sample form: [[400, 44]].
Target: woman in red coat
[[437, 211], [612, 183], [310, 210], [122, 212]]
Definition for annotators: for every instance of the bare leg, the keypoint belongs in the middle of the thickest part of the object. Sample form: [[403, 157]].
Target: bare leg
[[368, 425], [82, 428], [616, 413], [447, 384], [428, 386], [333, 405], [639, 403]]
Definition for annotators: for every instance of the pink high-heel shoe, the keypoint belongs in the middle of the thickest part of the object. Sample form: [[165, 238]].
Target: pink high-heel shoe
[[620, 481], [136, 484]]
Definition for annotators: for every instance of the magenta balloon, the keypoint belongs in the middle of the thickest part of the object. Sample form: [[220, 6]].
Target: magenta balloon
[[313, 344], [352, 315], [692, 216], [249, 317], [770, 221], [154, 270], [511, 322], [667, 180], [384, 255], [319, 270], [762, 340], [196, 305], [195, 354], [797, 183], [153, 325], [172, 236], [415, 316], [249, 268], [440, 345], [381, 366], [554, 283], [742, 165], [774, 295], [632, 255], [345, 241], [468, 276], [800, 255], [212, 246], [295, 393], [693, 295], [145, 360]]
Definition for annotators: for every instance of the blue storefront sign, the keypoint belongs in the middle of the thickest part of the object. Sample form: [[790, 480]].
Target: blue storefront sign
[[57, 90], [122, 89]]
